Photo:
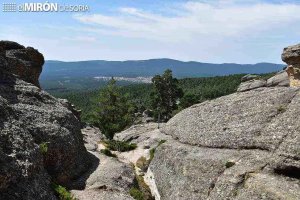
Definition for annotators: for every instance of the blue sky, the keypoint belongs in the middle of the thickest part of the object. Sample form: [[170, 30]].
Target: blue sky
[[216, 31]]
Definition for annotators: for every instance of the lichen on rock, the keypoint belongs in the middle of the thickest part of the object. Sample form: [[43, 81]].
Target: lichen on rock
[[30, 117]]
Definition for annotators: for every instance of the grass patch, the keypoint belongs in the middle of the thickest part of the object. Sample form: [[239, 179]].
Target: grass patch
[[108, 153], [121, 146], [152, 151], [161, 142], [140, 189], [136, 193], [62, 192]]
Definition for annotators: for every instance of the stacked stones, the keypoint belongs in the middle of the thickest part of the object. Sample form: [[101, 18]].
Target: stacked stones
[[291, 55]]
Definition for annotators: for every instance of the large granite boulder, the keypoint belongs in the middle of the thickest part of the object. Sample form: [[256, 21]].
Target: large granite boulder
[[241, 146], [40, 138], [249, 77], [26, 63], [280, 79], [250, 85], [291, 55], [111, 179]]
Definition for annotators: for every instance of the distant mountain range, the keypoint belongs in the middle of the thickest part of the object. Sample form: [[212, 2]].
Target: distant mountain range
[[54, 70]]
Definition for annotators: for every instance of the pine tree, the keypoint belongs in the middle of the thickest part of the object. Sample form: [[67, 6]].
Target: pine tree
[[114, 111], [165, 95]]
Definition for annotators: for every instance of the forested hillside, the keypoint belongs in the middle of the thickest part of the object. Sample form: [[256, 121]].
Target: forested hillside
[[195, 90], [57, 70]]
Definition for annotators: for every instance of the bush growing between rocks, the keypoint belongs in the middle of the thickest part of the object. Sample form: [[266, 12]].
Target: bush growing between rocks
[[108, 153], [62, 192], [136, 193], [142, 163], [140, 189]]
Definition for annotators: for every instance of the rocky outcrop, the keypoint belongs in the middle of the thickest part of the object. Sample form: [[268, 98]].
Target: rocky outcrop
[[280, 79], [146, 136], [291, 55], [71, 107], [241, 146], [236, 121], [26, 63], [111, 179], [40, 138], [252, 84], [249, 77], [92, 136]]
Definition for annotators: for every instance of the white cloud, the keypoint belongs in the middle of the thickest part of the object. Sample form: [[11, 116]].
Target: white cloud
[[80, 39], [197, 21], [216, 31]]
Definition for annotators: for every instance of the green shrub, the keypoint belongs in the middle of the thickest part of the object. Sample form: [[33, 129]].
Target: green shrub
[[161, 142], [152, 151], [140, 190], [142, 163], [114, 112], [62, 192], [44, 147], [136, 193], [108, 153], [143, 187], [121, 146]]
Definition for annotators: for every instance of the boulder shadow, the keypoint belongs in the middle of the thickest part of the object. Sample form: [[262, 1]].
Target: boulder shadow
[[79, 183]]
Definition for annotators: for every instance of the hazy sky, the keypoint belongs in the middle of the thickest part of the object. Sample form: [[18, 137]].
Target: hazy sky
[[216, 31]]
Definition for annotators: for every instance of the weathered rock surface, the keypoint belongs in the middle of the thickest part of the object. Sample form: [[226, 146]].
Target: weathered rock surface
[[249, 77], [240, 120], [291, 54], [146, 136], [111, 179], [280, 79], [189, 172], [108, 178], [241, 146], [252, 84], [26, 63], [29, 118], [92, 136]]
